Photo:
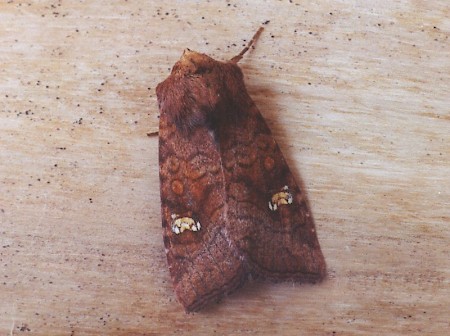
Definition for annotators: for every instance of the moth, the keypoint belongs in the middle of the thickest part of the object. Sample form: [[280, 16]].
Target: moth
[[231, 208]]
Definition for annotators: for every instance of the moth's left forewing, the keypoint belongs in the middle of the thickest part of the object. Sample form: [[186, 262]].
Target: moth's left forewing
[[203, 261]]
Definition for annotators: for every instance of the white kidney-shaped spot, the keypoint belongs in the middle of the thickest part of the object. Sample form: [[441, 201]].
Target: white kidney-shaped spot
[[181, 224], [283, 197]]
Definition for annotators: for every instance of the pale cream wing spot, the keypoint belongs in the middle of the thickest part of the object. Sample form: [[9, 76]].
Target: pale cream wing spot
[[181, 224], [283, 197]]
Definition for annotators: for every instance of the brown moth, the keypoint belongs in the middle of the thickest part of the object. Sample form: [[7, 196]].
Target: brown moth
[[230, 205]]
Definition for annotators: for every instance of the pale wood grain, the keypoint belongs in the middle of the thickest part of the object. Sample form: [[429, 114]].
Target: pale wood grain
[[357, 94]]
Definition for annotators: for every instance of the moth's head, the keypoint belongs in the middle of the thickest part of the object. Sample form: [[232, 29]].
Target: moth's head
[[192, 62]]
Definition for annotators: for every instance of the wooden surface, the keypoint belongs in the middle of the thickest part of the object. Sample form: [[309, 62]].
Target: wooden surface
[[357, 95]]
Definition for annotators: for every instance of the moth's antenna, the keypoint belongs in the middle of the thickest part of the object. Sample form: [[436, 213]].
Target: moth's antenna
[[237, 58]]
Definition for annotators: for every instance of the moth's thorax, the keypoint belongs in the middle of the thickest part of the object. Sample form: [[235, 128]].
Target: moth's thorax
[[202, 92]]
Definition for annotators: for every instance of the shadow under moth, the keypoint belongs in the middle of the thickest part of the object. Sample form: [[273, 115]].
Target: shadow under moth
[[231, 208]]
